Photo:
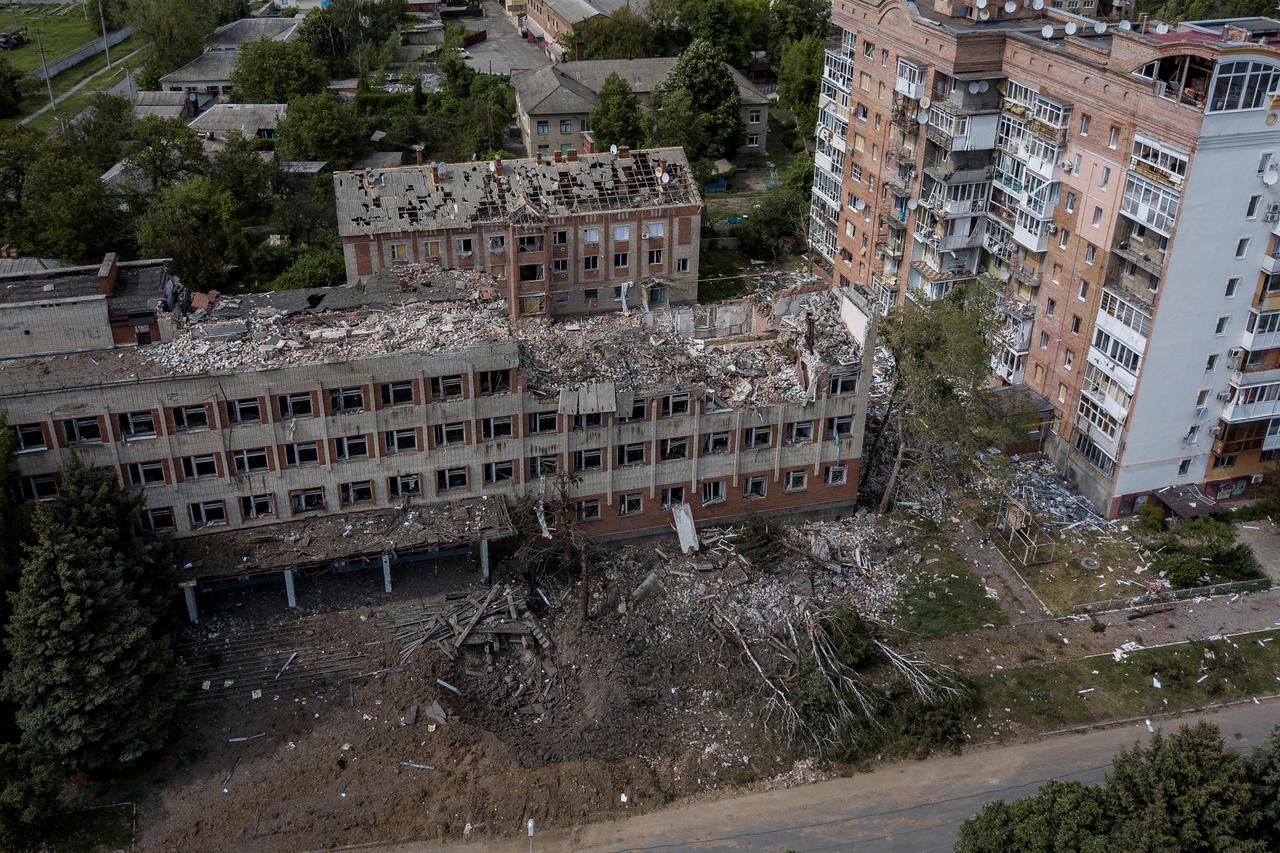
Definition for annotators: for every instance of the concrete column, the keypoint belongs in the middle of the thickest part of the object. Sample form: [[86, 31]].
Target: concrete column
[[386, 572], [288, 588], [484, 559], [189, 593]]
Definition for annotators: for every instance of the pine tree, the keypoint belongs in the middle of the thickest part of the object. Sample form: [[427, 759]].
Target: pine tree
[[93, 673], [616, 118]]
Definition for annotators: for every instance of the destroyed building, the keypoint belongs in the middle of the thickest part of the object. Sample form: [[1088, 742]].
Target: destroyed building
[[292, 413], [569, 234]]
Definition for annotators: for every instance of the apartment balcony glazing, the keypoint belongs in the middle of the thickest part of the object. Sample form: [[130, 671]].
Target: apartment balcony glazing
[[837, 65], [1137, 286], [909, 81]]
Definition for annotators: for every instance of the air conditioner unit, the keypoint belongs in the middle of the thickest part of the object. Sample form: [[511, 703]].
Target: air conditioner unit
[[1235, 353], [1224, 396], [1065, 166], [1272, 213], [1052, 229], [1255, 478]]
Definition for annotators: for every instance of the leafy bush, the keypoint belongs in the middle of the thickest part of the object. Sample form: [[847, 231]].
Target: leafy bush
[[1150, 519]]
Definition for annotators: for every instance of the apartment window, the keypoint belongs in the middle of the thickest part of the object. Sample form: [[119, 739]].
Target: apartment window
[[622, 233], [544, 127], [1039, 373], [246, 411], [638, 411], [1097, 217], [590, 420], [346, 400], [82, 431], [1252, 210], [655, 256], [1044, 340], [588, 460], [399, 251], [307, 500], [404, 485], [353, 494], [752, 487], [1242, 247], [531, 272], [1211, 362], [446, 387], [302, 453], [247, 461], [146, 473], [630, 454], [1090, 254], [540, 422], [295, 405], [795, 481], [494, 428], [591, 235], [1083, 292], [432, 248], [1071, 202], [463, 246], [674, 405], [713, 492], [160, 518], [1220, 328], [655, 229], [632, 504], [1064, 236], [566, 125], [135, 425], [715, 442], [499, 472], [1062, 393], [351, 447], [560, 265], [753, 140], [621, 259], [1105, 179], [1050, 306], [1068, 359], [542, 465], [1084, 124], [682, 265], [195, 467], [589, 510], [559, 238], [1232, 284], [1193, 431], [396, 393], [590, 295], [671, 496], [1184, 467], [843, 383], [449, 434], [800, 432], [495, 381], [674, 448], [835, 475], [1077, 164], [451, 479], [1075, 324], [207, 513], [1225, 461], [400, 440], [839, 428], [30, 438], [591, 263], [497, 242], [759, 436], [257, 506], [1114, 139]]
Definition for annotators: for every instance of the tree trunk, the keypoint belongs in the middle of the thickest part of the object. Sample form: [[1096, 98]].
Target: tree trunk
[[887, 499], [869, 464]]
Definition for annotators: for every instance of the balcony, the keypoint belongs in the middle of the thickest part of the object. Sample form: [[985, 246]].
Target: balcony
[[890, 247], [901, 181], [997, 243], [1031, 240], [909, 88], [894, 218], [1271, 262], [1132, 288], [956, 242], [948, 273]]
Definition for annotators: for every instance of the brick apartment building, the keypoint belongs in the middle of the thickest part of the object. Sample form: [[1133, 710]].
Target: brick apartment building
[[1118, 183], [548, 20], [304, 414], [563, 235]]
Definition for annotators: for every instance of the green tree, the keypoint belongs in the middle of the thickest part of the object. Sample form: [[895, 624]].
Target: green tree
[[14, 519], [1263, 765], [20, 148], [239, 170], [800, 79], [317, 266], [99, 134], [164, 150], [276, 72], [626, 34], [12, 89], [616, 118], [303, 207], [703, 77], [791, 20], [191, 222], [673, 122], [93, 672], [67, 212], [175, 30], [782, 217], [720, 23], [321, 127], [1062, 817]]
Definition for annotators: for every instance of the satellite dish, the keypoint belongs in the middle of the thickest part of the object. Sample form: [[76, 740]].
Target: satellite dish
[[1270, 177], [1037, 4], [441, 166], [983, 85], [981, 4], [493, 167], [1162, 28], [985, 15], [922, 117], [1010, 7], [1099, 27], [1070, 29], [666, 178], [613, 149], [1125, 25], [912, 204], [973, 87], [1047, 31], [925, 102]]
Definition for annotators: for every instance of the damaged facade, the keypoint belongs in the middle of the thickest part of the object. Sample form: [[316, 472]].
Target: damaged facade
[[273, 408], [568, 235], [1117, 183]]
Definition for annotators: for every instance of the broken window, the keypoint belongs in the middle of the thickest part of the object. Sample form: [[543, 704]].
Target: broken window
[[560, 265], [844, 383], [529, 243], [675, 404], [134, 425], [463, 245], [630, 454], [796, 481], [207, 513], [591, 420], [655, 256], [839, 428], [359, 492], [753, 487], [160, 518], [251, 460], [346, 400], [713, 492], [307, 500], [588, 460], [195, 467], [404, 485], [295, 405], [257, 506], [493, 428], [40, 487], [800, 432], [715, 442], [533, 303], [835, 475], [495, 381], [246, 411], [559, 238], [672, 496], [589, 510], [30, 438], [401, 440], [446, 387], [448, 479], [540, 422], [82, 431], [499, 472], [675, 448], [714, 403], [531, 272], [146, 473], [396, 393], [758, 436], [302, 453], [447, 434], [351, 447], [591, 295], [632, 504], [497, 242], [543, 465]]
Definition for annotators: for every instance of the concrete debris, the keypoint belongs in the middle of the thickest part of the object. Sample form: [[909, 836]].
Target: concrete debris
[[497, 615], [648, 588]]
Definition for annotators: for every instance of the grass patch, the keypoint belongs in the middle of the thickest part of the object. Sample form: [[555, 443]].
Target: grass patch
[[92, 830], [94, 67], [62, 30], [1066, 581], [1044, 698], [942, 596]]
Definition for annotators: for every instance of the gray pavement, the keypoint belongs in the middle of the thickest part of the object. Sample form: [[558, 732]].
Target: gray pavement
[[503, 49]]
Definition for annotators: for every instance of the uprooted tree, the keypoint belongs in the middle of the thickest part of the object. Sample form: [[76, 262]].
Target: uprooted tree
[[550, 539]]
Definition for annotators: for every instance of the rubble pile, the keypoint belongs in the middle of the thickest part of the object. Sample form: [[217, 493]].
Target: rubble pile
[[1037, 486]]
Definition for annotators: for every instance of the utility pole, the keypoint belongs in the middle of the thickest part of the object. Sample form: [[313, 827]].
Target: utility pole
[[102, 17], [53, 105]]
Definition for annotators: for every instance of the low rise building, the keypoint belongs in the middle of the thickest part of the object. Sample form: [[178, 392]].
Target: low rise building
[[561, 235], [548, 20], [252, 121], [210, 72]]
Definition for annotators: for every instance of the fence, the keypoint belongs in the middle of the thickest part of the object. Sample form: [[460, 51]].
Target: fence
[[1170, 596], [81, 53]]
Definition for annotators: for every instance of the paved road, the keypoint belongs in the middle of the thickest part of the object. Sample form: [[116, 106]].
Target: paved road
[[916, 807]]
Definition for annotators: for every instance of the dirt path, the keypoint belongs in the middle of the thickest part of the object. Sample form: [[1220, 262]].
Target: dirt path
[[58, 99]]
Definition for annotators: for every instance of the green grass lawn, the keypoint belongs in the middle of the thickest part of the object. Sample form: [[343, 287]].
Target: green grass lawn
[[1191, 675], [942, 596], [95, 67], [61, 33]]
